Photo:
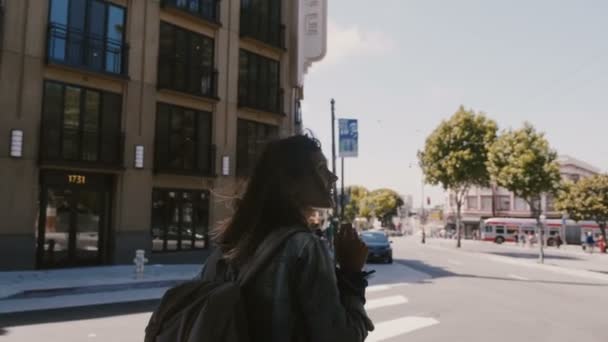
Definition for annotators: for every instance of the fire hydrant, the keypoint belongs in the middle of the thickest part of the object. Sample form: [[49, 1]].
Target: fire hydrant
[[140, 261]]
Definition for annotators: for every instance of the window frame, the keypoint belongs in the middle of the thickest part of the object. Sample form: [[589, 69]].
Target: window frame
[[170, 61], [102, 139], [254, 144], [256, 88], [162, 162], [267, 28], [198, 203], [68, 34], [213, 18]]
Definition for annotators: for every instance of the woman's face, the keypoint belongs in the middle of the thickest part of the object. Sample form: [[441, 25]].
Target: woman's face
[[316, 188]]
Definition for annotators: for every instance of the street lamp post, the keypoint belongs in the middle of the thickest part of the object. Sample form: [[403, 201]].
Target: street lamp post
[[333, 153], [563, 232], [422, 216], [541, 242]]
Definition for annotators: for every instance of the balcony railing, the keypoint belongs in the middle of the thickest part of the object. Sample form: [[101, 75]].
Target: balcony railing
[[199, 162], [76, 146], [254, 26], [176, 75], [76, 48], [205, 9], [264, 103]]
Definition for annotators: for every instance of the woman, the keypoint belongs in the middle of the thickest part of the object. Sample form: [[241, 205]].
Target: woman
[[300, 295]]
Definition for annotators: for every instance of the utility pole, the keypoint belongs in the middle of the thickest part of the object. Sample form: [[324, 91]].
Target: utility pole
[[333, 152], [342, 192]]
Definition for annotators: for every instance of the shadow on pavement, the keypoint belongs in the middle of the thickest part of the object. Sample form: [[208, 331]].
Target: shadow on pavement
[[534, 256], [440, 272], [74, 314]]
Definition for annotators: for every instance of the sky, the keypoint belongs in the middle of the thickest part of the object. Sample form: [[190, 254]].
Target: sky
[[402, 66]]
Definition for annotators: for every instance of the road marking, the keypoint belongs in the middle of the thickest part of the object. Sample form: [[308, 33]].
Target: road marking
[[454, 262], [377, 288], [514, 276], [401, 326], [384, 302]]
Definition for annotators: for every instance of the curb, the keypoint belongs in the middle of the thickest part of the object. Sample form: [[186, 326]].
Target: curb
[[66, 291]]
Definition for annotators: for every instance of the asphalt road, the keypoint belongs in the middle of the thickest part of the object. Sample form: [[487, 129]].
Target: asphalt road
[[429, 294]]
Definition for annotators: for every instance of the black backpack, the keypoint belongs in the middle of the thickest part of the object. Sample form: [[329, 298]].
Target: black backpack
[[204, 310]]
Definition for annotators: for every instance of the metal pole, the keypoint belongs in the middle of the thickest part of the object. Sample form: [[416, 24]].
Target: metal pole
[[422, 219], [563, 230], [333, 152], [342, 191]]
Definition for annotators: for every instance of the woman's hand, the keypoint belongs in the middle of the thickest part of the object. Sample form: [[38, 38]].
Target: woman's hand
[[351, 252]]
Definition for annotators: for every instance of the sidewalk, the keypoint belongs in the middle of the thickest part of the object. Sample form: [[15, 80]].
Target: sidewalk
[[38, 290], [570, 260]]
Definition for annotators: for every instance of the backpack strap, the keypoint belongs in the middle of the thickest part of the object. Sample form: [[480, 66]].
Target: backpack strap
[[267, 249], [209, 271]]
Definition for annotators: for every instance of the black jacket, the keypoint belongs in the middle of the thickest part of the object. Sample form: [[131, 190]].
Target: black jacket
[[301, 297]]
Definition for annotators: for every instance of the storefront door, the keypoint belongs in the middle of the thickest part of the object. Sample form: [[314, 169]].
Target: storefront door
[[73, 220]]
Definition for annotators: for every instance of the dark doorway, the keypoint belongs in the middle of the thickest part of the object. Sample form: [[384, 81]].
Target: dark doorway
[[73, 219]]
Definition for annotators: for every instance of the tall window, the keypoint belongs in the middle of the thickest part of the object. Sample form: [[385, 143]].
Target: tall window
[[180, 220], [251, 139], [87, 33], [486, 203], [520, 204], [259, 83], [186, 61], [504, 203], [80, 124], [207, 9], [183, 141], [472, 202], [261, 19]]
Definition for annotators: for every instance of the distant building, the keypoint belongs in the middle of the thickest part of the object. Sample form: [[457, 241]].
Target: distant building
[[483, 203]]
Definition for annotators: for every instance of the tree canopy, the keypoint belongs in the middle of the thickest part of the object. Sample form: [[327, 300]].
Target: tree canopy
[[381, 203], [357, 195], [455, 153], [586, 200], [522, 162], [384, 204]]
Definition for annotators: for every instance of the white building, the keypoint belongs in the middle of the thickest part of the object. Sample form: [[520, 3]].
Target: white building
[[482, 203]]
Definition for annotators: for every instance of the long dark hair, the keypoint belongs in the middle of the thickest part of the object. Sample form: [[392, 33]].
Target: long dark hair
[[269, 202]]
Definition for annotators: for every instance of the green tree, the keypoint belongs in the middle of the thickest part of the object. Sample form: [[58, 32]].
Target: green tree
[[455, 155], [586, 200], [384, 204], [357, 195], [522, 162]]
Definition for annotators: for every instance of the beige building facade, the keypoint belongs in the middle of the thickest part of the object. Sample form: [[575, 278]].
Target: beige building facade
[[133, 124], [483, 203]]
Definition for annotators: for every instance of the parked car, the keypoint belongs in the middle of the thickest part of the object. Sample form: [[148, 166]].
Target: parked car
[[379, 246]]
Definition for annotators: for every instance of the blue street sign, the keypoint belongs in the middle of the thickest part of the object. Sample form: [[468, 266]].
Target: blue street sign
[[348, 138]]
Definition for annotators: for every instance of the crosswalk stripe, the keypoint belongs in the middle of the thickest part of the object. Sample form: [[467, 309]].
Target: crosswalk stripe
[[377, 288], [385, 301], [390, 329]]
